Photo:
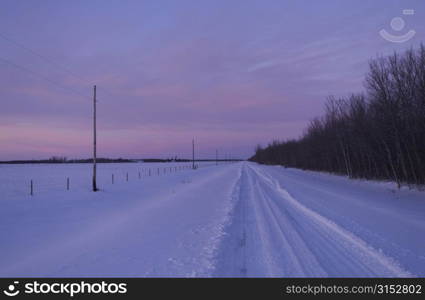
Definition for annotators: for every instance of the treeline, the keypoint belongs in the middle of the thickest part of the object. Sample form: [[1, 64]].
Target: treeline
[[379, 134], [64, 160]]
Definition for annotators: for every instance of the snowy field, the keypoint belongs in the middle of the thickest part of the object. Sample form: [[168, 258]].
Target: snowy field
[[239, 219], [15, 179]]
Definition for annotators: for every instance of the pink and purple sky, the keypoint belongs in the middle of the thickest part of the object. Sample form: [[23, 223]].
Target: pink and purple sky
[[232, 74]]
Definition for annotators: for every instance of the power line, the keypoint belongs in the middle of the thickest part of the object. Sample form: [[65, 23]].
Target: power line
[[48, 60], [41, 56], [22, 68]]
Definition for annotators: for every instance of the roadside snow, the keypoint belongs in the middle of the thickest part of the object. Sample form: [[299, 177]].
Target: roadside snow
[[158, 226]]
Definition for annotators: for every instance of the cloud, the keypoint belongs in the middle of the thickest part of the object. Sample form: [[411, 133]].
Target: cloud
[[240, 72]]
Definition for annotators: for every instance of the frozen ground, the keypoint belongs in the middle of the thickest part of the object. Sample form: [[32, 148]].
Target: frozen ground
[[237, 219], [15, 179]]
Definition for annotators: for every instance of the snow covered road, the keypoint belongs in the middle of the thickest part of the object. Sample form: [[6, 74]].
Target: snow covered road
[[238, 219], [274, 234]]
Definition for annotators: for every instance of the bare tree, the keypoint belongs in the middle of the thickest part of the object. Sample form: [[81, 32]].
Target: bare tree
[[379, 134]]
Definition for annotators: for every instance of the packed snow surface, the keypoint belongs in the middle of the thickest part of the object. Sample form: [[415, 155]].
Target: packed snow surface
[[240, 219]]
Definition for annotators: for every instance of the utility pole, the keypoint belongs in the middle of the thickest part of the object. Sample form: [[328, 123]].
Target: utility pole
[[216, 157], [193, 153], [94, 140]]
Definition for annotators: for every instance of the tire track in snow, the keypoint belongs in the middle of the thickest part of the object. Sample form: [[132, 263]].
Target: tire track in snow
[[243, 239], [241, 251], [287, 255], [318, 243], [256, 244]]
